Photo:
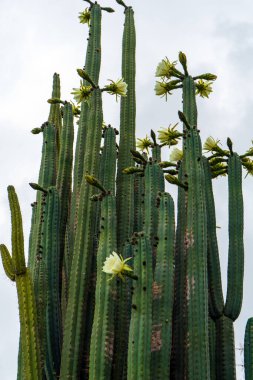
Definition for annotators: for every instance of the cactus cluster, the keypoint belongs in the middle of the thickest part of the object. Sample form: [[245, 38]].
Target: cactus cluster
[[162, 315]]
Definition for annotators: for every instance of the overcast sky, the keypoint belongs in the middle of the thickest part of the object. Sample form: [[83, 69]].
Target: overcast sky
[[39, 38]]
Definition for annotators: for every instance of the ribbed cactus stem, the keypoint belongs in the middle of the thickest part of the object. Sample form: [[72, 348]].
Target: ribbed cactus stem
[[51, 252], [236, 249], [16, 270], [163, 290], [248, 350], [102, 337], [55, 110], [216, 302], [195, 241], [154, 183], [74, 325], [225, 349], [125, 184], [139, 344], [178, 358], [92, 67]]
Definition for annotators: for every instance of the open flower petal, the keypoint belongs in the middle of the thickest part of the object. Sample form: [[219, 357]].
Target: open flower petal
[[116, 265]]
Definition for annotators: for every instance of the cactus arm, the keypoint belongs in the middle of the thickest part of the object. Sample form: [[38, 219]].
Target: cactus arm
[[196, 295], [139, 345], [125, 184], [212, 348], [27, 309], [108, 160], [92, 67], [7, 262], [216, 302], [236, 250], [163, 290], [51, 244], [196, 251], [101, 348], [139, 188], [248, 350], [156, 153], [64, 178], [47, 177], [74, 325], [225, 349], [55, 111], [17, 237], [154, 183], [179, 316]]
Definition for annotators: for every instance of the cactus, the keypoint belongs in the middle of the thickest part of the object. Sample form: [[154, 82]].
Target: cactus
[[163, 289], [169, 319], [139, 345], [16, 270], [248, 360]]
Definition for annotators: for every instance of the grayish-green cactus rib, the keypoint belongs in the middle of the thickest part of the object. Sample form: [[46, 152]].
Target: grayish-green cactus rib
[[212, 348], [196, 294], [37, 261], [248, 350], [156, 153], [64, 173], [55, 110], [179, 359], [63, 184], [154, 183], [92, 67], [30, 365], [179, 317], [74, 325], [225, 349], [163, 290], [108, 160], [47, 177], [125, 184], [102, 337], [139, 189], [216, 302], [51, 251], [236, 250], [139, 344]]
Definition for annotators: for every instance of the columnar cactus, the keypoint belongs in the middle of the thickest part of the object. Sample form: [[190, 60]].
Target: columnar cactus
[[15, 268], [169, 319]]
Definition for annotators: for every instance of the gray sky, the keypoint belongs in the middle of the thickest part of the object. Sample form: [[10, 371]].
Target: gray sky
[[39, 38]]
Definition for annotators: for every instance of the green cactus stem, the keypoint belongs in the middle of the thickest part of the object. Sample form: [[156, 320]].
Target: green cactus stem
[[236, 251], [102, 337], [225, 349], [74, 325], [195, 244], [163, 290], [92, 68], [248, 351], [17, 271], [125, 184], [51, 252], [139, 344]]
